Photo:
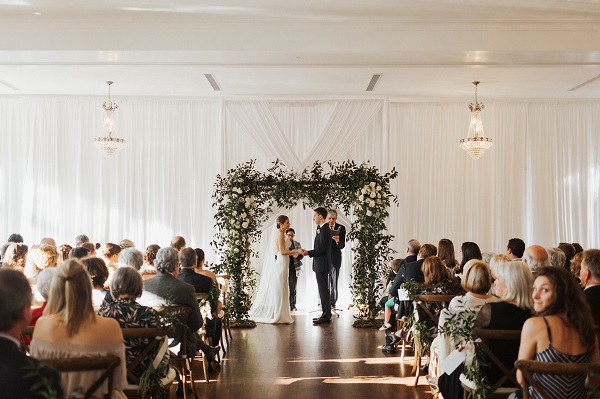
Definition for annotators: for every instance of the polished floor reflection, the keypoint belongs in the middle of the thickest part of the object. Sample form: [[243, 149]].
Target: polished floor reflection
[[306, 361]]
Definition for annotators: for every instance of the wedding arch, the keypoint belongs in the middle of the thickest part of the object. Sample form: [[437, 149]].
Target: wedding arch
[[244, 197]]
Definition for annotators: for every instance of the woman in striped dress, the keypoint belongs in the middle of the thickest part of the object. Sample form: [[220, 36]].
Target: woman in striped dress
[[562, 332]]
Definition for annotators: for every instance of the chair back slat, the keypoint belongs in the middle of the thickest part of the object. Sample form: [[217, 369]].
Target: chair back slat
[[108, 364], [529, 367], [501, 335]]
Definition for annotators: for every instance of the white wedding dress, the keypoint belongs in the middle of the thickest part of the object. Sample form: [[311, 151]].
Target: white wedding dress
[[272, 301]]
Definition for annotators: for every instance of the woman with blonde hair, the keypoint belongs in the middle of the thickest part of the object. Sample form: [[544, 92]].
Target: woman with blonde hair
[[477, 281], [69, 328], [40, 257]]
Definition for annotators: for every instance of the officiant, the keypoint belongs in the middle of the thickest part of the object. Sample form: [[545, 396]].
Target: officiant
[[295, 266], [338, 242]]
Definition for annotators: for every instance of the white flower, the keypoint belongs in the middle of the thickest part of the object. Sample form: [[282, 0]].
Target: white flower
[[373, 194], [234, 195], [236, 250], [369, 213], [245, 225], [378, 195], [237, 225], [234, 213], [251, 211], [372, 184], [361, 197], [378, 188], [243, 215], [239, 190], [378, 201], [372, 203], [363, 191], [241, 180]]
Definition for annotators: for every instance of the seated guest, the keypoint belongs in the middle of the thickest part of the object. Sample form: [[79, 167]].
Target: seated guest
[[16, 367], [165, 288], [477, 281], [90, 246], [200, 267], [569, 251], [578, 247], [15, 256], [40, 257], [515, 248], [563, 331], [202, 285], [590, 279], [109, 253], [126, 243], [131, 257], [496, 263], [536, 256], [44, 283], [48, 241], [178, 242], [469, 250], [63, 253], [388, 302], [438, 281], [447, 255], [514, 284], [576, 266], [410, 271], [99, 273], [148, 269], [79, 253], [69, 328], [125, 288], [486, 257], [557, 257], [80, 239]]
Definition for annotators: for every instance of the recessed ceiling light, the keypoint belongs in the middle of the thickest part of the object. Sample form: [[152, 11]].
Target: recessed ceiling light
[[37, 13]]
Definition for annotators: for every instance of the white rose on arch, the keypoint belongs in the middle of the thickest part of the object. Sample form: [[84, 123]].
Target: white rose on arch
[[369, 213], [245, 225], [373, 194], [372, 184]]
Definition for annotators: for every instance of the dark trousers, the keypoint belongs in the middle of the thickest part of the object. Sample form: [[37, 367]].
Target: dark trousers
[[333, 285], [323, 284], [292, 282]]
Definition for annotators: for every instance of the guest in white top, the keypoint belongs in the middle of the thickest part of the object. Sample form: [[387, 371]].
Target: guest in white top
[[477, 281], [70, 328]]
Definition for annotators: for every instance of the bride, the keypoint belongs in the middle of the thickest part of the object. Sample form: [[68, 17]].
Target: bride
[[272, 302]]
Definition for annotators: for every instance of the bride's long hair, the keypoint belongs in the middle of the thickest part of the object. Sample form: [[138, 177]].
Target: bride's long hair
[[281, 219]]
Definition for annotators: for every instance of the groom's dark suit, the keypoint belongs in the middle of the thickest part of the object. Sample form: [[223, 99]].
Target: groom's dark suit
[[321, 255]]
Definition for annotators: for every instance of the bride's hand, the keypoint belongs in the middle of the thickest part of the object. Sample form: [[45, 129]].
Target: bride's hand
[[296, 253]]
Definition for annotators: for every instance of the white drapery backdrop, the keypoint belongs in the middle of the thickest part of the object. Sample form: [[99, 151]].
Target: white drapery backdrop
[[540, 181]]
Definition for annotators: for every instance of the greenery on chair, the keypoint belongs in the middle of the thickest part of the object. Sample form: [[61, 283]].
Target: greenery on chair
[[244, 198], [459, 327]]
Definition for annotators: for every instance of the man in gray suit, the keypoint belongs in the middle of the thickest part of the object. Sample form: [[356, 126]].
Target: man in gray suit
[[166, 288]]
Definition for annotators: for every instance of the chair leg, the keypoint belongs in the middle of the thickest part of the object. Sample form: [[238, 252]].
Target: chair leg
[[418, 367]]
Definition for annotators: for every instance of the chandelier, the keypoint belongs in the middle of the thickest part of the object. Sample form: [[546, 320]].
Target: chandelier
[[476, 143], [109, 144]]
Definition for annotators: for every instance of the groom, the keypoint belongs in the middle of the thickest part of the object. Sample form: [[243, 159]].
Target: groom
[[322, 263]]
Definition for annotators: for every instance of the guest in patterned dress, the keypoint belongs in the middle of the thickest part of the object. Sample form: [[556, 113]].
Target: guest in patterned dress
[[125, 288], [562, 332]]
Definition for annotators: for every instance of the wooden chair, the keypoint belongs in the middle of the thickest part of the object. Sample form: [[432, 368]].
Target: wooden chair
[[181, 362], [201, 297], [509, 375], [223, 280], [107, 364], [528, 367], [421, 303], [158, 343]]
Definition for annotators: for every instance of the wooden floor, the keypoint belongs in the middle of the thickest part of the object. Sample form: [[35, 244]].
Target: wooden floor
[[306, 361]]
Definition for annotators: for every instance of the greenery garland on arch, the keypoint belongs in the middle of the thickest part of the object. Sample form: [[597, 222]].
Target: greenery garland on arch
[[244, 197]]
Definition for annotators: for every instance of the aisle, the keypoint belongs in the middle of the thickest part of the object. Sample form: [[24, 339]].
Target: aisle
[[306, 361]]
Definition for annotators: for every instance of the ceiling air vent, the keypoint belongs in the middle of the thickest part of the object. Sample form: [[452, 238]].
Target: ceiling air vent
[[213, 82], [3, 83], [374, 81], [587, 82]]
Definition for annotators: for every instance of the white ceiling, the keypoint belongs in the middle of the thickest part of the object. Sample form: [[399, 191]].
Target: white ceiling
[[427, 50]]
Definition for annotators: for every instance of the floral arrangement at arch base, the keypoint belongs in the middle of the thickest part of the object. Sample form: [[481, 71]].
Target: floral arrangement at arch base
[[245, 197]]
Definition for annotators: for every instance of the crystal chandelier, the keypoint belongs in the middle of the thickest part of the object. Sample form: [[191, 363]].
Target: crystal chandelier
[[476, 143], [109, 144]]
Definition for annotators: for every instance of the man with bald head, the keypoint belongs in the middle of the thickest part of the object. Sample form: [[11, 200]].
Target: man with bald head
[[536, 256]]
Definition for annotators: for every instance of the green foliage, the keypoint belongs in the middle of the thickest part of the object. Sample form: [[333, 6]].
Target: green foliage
[[245, 197], [459, 327], [42, 385]]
